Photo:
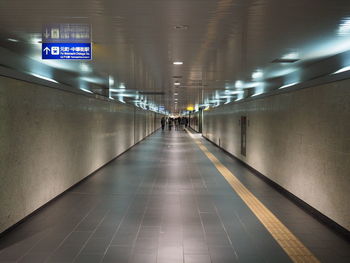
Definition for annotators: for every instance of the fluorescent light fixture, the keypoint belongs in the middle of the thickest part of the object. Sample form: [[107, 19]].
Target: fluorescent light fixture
[[257, 94], [42, 77], [36, 40], [84, 67], [288, 85], [291, 56], [110, 81], [12, 40], [86, 90], [122, 86], [176, 94], [227, 92], [344, 27], [239, 84], [342, 70], [175, 99], [177, 83], [257, 74], [238, 99], [120, 98], [177, 62], [117, 90]]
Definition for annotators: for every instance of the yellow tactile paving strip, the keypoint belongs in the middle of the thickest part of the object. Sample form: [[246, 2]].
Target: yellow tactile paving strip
[[290, 243]]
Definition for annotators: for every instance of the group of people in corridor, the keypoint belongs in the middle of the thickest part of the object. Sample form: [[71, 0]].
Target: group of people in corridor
[[180, 123]]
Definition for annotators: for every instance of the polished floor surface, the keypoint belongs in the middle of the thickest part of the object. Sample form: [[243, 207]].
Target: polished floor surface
[[164, 201]]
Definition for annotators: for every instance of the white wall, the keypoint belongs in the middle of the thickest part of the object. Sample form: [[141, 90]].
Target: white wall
[[300, 140], [51, 139]]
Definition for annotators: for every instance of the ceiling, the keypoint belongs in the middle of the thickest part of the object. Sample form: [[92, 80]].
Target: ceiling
[[227, 46]]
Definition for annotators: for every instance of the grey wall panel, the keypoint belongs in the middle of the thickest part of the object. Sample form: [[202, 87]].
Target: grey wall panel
[[194, 121], [51, 139], [300, 140]]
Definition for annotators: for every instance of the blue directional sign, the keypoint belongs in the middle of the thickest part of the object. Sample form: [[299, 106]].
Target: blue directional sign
[[66, 51]]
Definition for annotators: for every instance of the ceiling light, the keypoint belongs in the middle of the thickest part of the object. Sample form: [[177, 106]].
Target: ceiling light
[[42, 77], [110, 81], [86, 90], [288, 85], [291, 57], [117, 90], [342, 70], [84, 67], [177, 62], [36, 40], [176, 94], [177, 83], [344, 27], [239, 84], [257, 74], [12, 40], [257, 94]]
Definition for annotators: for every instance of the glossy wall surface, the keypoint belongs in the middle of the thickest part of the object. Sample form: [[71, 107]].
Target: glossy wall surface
[[300, 140], [194, 121], [51, 139]]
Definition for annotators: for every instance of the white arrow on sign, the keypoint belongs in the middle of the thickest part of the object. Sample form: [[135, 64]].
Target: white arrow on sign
[[47, 34], [46, 50]]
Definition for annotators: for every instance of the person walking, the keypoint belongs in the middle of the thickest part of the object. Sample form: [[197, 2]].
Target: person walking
[[176, 124], [162, 122], [170, 123]]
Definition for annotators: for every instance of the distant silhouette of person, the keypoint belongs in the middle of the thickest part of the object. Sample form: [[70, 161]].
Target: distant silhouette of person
[[186, 122], [176, 124], [162, 122], [170, 123]]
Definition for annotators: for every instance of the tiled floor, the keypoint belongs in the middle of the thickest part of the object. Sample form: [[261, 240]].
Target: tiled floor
[[164, 201]]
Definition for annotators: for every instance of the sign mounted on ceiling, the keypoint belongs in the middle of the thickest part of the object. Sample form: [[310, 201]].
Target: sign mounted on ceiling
[[66, 41], [66, 51]]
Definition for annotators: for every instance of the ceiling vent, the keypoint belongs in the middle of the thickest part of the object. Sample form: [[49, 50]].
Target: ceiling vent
[[181, 27]]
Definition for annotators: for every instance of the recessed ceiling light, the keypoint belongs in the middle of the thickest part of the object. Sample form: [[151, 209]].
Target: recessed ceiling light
[[12, 40], [239, 84], [36, 40], [288, 85], [342, 70], [257, 74], [176, 94], [43, 77], [84, 67], [177, 83], [177, 62]]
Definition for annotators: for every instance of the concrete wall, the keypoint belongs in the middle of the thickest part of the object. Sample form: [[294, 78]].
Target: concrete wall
[[51, 139], [300, 140]]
